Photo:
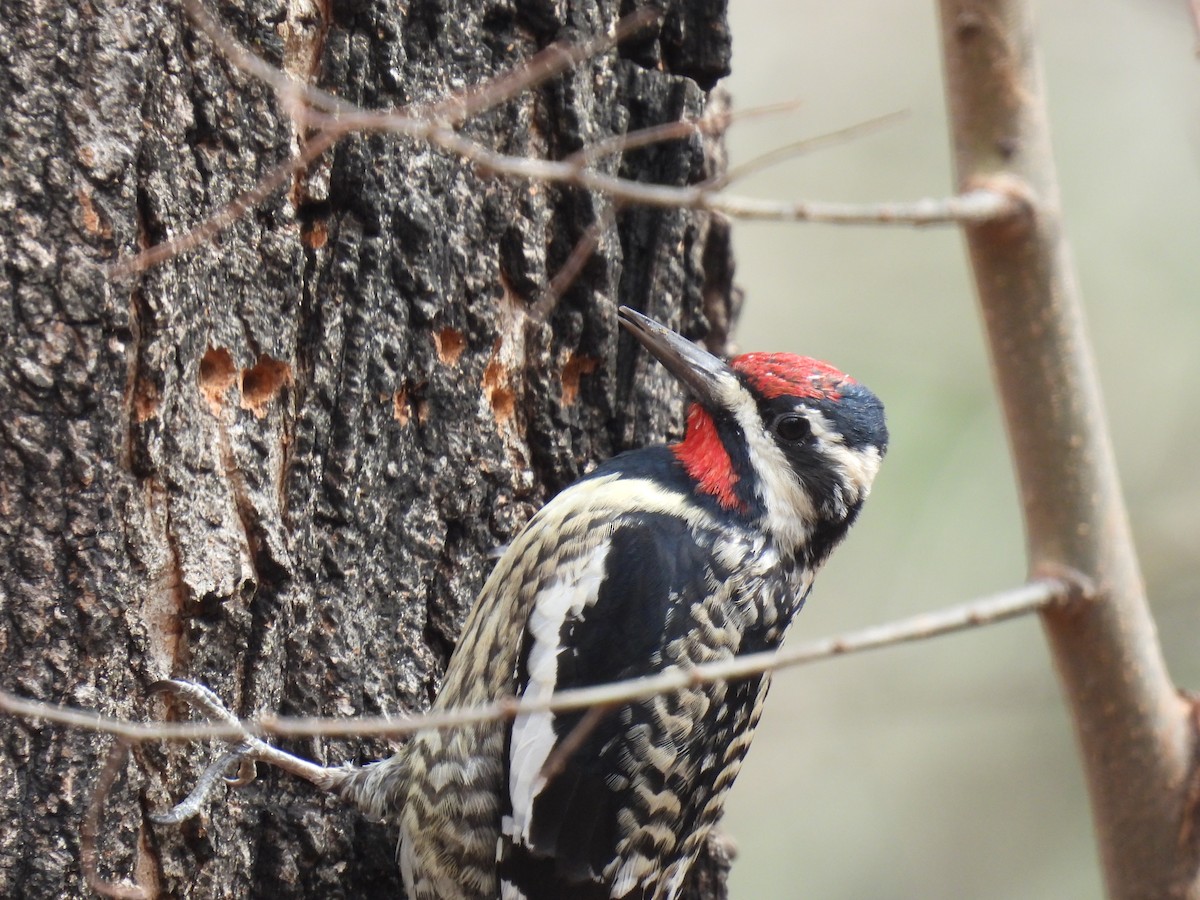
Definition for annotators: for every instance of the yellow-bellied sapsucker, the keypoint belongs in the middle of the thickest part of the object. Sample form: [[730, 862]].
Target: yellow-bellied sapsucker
[[669, 556], [665, 557]]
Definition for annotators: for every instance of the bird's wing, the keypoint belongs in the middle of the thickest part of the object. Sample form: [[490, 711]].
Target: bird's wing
[[596, 819]]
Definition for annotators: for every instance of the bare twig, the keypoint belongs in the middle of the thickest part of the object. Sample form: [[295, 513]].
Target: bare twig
[[538, 69], [806, 145], [713, 122], [88, 854], [256, 67], [1034, 596], [707, 124], [210, 704], [570, 745], [980, 205], [231, 211], [333, 118], [574, 263], [454, 109]]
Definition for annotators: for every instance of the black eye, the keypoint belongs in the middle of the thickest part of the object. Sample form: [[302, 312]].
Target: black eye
[[792, 428]]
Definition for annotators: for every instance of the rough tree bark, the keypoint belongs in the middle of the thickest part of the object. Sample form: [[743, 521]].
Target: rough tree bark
[[276, 465]]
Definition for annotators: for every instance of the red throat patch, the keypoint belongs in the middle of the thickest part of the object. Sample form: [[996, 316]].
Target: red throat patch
[[706, 460], [787, 375]]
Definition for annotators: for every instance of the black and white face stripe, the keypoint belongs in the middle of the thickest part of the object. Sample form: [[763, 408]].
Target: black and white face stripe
[[810, 460], [838, 451], [810, 453]]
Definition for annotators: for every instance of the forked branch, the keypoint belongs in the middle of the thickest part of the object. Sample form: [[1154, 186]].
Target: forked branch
[[326, 119]]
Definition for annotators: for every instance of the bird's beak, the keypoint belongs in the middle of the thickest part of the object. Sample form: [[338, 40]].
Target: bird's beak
[[699, 371]]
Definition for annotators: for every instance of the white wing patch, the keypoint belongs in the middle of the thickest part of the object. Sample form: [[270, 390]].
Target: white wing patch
[[565, 597]]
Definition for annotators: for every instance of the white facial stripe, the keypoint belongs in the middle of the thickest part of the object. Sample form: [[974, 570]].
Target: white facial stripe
[[857, 467], [789, 507]]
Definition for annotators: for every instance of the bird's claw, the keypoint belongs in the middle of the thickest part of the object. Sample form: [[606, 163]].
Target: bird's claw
[[196, 695], [235, 767], [244, 752], [193, 803]]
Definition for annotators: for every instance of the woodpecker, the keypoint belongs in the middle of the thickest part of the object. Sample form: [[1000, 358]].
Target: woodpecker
[[662, 558]]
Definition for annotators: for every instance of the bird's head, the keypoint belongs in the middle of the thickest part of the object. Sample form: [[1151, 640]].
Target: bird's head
[[784, 438]]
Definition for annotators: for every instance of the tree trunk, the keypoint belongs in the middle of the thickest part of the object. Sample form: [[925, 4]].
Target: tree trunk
[[276, 464]]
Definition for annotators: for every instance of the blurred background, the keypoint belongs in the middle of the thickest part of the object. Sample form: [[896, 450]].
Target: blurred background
[[948, 768]]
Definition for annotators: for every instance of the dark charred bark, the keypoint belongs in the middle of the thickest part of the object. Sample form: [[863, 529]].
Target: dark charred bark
[[276, 464]]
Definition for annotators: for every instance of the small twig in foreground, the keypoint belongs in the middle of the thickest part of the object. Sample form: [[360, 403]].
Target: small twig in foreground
[[1028, 598], [88, 855], [805, 145], [231, 211], [253, 747], [573, 265], [569, 747]]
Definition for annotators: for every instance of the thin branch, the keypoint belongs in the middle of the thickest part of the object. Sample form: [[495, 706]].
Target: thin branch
[[544, 65], [574, 263], [436, 124], [211, 705], [710, 123], [1034, 596], [665, 132], [570, 745], [805, 145], [232, 211], [88, 855], [547, 63], [980, 205], [256, 67]]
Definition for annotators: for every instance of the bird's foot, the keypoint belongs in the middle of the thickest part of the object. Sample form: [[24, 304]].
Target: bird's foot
[[236, 766]]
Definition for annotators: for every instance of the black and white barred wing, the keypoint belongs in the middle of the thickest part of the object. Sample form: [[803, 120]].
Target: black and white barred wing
[[624, 814]]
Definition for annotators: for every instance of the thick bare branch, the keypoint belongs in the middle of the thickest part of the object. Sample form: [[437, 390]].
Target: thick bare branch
[[1135, 732]]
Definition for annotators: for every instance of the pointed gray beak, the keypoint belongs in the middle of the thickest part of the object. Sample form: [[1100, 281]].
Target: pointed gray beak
[[697, 369]]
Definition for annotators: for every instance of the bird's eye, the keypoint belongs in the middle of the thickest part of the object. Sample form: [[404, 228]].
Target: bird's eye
[[793, 428]]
